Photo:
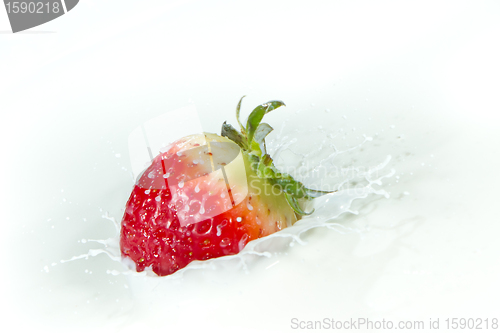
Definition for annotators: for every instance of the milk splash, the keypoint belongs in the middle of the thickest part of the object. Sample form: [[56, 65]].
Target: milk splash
[[350, 184]]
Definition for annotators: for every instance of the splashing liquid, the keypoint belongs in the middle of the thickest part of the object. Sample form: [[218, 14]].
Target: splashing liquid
[[316, 168]]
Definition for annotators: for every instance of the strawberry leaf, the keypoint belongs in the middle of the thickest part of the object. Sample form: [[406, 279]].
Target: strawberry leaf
[[295, 205], [238, 107], [266, 169], [231, 133], [260, 134], [315, 193], [256, 116]]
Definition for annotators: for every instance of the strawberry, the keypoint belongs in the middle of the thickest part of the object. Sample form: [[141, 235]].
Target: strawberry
[[207, 196]]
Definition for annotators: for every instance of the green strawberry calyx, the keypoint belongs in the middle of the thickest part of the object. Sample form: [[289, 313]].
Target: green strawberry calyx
[[251, 139]]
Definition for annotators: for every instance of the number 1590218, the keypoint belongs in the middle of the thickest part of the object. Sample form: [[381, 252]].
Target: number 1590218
[[33, 7]]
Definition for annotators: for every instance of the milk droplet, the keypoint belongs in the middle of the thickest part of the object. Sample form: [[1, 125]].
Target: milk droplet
[[219, 232], [166, 175], [197, 189], [158, 198], [181, 184], [225, 242], [238, 219], [242, 242], [147, 191], [249, 206]]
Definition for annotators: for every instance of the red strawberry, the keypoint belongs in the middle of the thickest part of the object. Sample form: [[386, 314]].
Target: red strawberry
[[207, 196]]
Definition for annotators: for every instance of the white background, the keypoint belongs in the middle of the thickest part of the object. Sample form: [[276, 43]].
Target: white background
[[421, 77]]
